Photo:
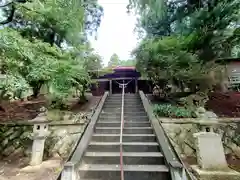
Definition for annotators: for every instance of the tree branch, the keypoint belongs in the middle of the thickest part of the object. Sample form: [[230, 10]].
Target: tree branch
[[11, 15]]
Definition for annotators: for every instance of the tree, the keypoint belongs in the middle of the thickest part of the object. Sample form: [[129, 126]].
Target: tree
[[209, 22], [54, 21], [39, 63], [32, 51], [93, 64], [129, 62], [184, 37], [114, 60]]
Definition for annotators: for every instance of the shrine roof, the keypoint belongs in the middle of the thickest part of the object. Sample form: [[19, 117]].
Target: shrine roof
[[122, 72]]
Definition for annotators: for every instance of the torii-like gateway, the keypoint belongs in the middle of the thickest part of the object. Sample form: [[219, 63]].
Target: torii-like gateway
[[110, 82]]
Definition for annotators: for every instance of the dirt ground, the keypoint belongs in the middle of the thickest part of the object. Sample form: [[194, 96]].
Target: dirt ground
[[21, 110], [27, 110], [17, 168]]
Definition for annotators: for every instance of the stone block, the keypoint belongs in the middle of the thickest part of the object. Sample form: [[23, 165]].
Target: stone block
[[70, 172], [210, 152], [10, 149], [37, 152], [227, 174]]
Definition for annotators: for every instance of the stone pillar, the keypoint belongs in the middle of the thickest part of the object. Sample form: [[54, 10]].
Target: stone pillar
[[70, 172], [40, 132], [210, 152], [110, 86], [136, 85]]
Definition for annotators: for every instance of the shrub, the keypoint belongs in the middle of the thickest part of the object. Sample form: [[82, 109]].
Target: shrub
[[168, 110]]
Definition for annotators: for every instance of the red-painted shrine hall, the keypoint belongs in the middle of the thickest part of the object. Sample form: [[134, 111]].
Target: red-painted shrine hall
[[110, 82]]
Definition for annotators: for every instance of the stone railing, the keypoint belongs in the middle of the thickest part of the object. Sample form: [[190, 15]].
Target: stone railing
[[69, 171], [177, 168]]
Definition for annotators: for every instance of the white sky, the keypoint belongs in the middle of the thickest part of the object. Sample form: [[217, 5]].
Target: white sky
[[115, 34]]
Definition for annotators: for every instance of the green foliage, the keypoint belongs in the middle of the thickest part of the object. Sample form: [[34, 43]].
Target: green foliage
[[114, 61], [33, 60], [129, 62], [13, 86], [168, 110], [183, 38], [45, 43], [166, 58], [39, 63], [211, 23], [54, 21], [93, 64]]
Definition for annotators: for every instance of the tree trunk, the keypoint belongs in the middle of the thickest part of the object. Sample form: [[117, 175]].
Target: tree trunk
[[83, 98], [36, 87], [36, 91]]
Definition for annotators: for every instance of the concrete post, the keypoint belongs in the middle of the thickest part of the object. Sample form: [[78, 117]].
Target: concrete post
[[210, 152], [40, 132], [69, 172], [110, 86], [136, 85]]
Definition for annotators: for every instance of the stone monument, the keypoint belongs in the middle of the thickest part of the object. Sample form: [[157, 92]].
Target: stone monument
[[211, 158], [210, 151]]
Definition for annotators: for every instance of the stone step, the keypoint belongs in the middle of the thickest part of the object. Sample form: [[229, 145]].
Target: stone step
[[139, 113], [120, 105], [126, 97], [130, 118], [117, 109], [126, 130], [126, 119], [153, 158], [131, 172], [127, 147], [125, 102], [136, 118], [126, 105], [126, 124], [132, 114], [135, 113], [126, 137], [126, 112], [139, 109]]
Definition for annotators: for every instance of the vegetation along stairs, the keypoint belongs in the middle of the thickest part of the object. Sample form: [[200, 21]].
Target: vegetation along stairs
[[145, 154]]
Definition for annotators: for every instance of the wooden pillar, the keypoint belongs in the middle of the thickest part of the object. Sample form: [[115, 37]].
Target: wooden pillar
[[136, 85], [110, 86]]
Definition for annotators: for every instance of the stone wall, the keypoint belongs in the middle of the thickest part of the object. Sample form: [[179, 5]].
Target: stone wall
[[17, 140], [14, 140], [182, 138]]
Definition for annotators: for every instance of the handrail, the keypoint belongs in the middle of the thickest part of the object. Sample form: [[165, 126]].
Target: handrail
[[177, 168], [121, 132], [123, 85]]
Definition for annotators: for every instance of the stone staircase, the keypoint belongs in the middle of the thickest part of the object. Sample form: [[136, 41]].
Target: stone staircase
[[142, 155]]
